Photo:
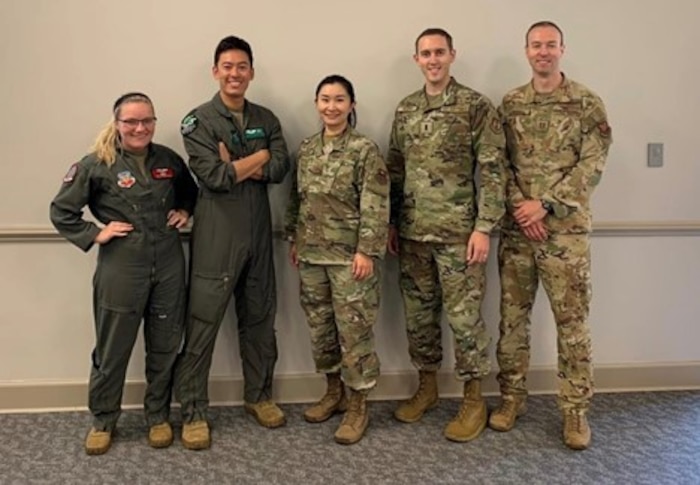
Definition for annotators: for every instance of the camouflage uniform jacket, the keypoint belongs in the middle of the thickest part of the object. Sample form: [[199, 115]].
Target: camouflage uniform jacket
[[434, 153], [557, 146], [339, 201]]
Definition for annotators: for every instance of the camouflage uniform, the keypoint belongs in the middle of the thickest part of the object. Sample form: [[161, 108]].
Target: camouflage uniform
[[557, 146], [339, 207], [435, 150]]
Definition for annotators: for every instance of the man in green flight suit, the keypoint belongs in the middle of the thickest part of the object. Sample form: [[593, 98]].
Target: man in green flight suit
[[236, 148]]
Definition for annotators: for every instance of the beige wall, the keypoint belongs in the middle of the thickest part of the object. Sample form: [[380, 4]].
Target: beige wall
[[64, 63]]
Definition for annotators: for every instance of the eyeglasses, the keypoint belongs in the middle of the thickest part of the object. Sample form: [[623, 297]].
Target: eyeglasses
[[134, 123]]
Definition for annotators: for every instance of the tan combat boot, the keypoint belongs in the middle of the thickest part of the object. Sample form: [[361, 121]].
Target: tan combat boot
[[333, 401], [266, 413], [426, 397], [503, 417], [577, 433], [355, 420], [195, 435], [160, 435], [97, 442], [472, 416]]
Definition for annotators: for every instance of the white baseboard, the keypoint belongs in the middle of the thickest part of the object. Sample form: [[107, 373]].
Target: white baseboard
[[26, 397]]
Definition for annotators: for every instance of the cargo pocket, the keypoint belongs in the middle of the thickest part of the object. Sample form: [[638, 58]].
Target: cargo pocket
[[208, 296], [163, 330]]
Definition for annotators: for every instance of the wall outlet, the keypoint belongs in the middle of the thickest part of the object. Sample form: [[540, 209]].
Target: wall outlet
[[655, 154]]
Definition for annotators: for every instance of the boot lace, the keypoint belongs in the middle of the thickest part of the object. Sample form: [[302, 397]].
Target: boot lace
[[574, 423]]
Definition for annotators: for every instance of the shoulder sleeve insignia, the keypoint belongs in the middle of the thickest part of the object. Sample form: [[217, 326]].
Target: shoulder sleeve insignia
[[70, 175], [189, 124]]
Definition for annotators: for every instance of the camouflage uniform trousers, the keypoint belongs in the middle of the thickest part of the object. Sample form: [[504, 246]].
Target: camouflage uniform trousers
[[563, 263], [436, 276], [340, 312]]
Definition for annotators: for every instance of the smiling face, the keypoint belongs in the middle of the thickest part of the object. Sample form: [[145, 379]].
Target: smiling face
[[543, 50], [234, 72], [136, 124], [334, 106], [434, 57]]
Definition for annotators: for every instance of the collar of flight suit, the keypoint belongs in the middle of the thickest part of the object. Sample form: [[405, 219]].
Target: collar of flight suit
[[223, 110]]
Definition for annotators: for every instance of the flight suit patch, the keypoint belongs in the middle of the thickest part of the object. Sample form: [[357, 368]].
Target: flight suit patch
[[189, 124], [162, 173], [125, 179], [70, 175], [255, 133]]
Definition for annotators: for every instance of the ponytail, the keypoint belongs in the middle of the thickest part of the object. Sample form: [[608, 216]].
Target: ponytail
[[105, 146]]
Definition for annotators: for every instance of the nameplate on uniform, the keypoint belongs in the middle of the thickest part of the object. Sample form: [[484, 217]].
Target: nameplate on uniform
[[162, 173], [255, 134]]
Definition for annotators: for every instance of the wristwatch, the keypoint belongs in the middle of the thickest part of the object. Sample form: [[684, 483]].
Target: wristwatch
[[546, 205]]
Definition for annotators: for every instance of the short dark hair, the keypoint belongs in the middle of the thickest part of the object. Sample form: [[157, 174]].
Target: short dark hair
[[233, 43], [347, 85], [544, 23], [435, 31]]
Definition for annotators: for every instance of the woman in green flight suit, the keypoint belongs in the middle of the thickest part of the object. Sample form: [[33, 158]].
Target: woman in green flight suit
[[142, 193]]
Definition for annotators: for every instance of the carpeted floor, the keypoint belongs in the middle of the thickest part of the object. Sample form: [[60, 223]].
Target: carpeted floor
[[640, 438]]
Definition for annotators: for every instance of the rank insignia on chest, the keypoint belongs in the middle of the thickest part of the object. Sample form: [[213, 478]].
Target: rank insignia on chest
[[162, 173], [125, 179], [542, 125], [328, 149], [426, 128]]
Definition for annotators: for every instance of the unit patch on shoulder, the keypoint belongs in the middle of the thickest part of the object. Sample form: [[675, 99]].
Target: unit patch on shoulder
[[70, 175], [189, 124]]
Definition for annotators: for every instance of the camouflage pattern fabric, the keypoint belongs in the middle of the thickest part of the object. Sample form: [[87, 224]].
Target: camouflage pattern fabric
[[436, 276], [563, 263], [557, 147], [434, 154], [339, 203], [340, 312]]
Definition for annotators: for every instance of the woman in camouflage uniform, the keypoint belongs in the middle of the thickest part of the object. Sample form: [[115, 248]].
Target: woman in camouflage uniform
[[337, 224]]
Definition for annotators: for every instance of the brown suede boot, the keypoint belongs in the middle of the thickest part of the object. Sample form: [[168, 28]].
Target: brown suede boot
[[355, 420], [577, 432], [160, 435], [266, 413], [333, 401], [97, 442], [195, 435], [426, 397], [503, 417], [472, 416]]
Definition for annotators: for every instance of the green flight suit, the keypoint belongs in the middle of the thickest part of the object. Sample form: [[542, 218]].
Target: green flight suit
[[231, 250], [138, 276]]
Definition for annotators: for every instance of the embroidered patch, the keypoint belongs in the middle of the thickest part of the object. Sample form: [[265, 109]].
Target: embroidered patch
[[254, 133], [70, 175], [188, 124], [125, 179], [604, 129], [381, 177], [162, 173]]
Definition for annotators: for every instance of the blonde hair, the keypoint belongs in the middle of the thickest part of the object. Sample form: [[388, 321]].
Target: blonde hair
[[107, 142]]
